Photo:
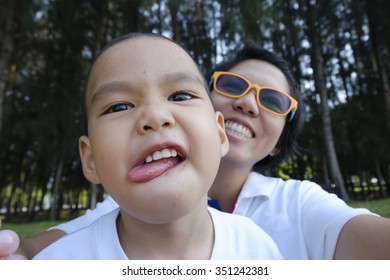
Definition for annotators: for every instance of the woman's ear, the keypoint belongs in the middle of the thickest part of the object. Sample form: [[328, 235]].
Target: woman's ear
[[87, 161], [222, 135], [274, 152]]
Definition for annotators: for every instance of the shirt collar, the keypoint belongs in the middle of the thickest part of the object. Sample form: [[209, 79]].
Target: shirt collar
[[257, 185]]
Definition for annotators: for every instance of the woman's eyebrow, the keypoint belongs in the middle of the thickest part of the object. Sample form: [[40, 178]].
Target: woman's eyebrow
[[110, 87]]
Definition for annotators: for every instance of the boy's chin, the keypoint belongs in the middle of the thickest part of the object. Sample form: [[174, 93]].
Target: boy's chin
[[171, 211]]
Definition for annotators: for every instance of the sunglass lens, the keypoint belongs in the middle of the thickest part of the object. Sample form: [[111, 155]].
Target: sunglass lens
[[274, 101], [231, 85]]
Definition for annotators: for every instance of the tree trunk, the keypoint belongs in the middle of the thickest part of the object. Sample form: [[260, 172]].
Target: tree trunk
[[325, 172], [55, 192], [320, 85], [385, 86], [381, 180], [174, 21], [93, 195], [5, 55]]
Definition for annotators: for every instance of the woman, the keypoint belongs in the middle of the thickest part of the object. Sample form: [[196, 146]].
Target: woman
[[253, 91], [262, 125]]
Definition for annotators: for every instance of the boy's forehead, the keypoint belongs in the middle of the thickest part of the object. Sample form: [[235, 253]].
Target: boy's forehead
[[154, 56], [141, 60], [148, 51]]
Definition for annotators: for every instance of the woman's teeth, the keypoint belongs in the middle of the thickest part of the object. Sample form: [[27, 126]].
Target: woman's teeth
[[238, 129], [165, 153]]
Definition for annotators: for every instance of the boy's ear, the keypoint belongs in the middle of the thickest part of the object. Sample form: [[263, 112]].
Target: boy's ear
[[222, 135], [87, 162]]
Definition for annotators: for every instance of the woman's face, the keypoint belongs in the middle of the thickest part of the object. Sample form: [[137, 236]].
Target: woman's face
[[253, 132]]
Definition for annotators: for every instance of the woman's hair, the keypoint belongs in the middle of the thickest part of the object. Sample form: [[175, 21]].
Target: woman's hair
[[287, 143]]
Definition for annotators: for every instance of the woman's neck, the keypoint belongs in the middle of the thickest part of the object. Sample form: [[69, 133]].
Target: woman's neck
[[228, 184]]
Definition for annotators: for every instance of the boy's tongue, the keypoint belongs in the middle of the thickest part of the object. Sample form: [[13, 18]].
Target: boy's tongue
[[148, 171]]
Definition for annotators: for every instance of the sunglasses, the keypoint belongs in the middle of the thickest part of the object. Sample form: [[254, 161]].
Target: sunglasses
[[272, 100]]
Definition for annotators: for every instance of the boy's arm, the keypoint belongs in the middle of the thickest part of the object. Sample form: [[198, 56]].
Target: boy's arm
[[364, 237]]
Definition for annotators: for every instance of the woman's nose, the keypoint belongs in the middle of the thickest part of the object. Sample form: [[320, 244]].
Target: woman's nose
[[247, 104]]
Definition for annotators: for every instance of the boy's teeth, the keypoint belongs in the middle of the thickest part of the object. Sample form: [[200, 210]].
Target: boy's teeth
[[238, 129], [165, 153]]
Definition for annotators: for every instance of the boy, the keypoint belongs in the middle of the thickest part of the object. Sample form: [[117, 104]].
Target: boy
[[148, 115]]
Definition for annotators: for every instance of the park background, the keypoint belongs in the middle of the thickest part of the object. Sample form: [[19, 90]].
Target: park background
[[338, 50]]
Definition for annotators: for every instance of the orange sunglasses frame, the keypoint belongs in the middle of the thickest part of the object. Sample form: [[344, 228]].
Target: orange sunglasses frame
[[293, 106]]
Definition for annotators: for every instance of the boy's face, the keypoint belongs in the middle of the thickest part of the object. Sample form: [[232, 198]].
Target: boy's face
[[154, 139]]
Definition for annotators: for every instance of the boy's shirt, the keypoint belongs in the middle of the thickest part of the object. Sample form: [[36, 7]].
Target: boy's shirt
[[236, 237]]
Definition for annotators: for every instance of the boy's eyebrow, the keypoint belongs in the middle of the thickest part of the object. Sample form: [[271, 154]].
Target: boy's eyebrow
[[182, 77], [175, 77], [102, 90]]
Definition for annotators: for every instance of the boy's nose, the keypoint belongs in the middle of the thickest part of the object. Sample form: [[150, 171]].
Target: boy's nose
[[155, 118], [147, 127]]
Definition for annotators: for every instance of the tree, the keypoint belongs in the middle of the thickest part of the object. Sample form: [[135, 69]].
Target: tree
[[8, 18], [378, 61], [320, 84], [47, 46]]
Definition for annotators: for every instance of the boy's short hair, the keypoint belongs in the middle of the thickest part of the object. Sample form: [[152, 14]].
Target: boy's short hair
[[288, 141]]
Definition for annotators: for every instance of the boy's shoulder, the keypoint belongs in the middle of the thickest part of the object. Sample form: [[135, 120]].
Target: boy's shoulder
[[238, 237]]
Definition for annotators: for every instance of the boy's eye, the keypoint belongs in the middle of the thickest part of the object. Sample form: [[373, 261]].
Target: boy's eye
[[181, 96], [119, 107]]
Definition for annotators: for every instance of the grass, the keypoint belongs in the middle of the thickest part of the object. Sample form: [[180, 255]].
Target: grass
[[26, 229], [29, 229], [381, 207]]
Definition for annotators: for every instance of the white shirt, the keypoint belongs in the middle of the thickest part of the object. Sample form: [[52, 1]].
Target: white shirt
[[236, 237], [303, 219]]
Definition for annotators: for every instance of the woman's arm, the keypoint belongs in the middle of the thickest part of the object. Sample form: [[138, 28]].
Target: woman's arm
[[12, 248], [31, 246], [364, 237]]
